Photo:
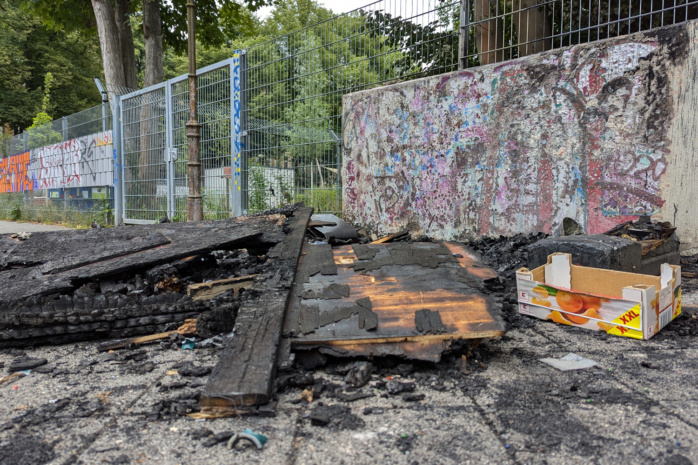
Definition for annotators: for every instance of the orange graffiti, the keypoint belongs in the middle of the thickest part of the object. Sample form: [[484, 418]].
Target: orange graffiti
[[14, 173]]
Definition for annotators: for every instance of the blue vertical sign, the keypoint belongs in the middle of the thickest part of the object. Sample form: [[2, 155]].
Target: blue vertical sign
[[235, 176]]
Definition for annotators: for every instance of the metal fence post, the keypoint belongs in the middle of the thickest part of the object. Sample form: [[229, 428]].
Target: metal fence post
[[25, 139], [169, 153], [64, 128], [118, 162], [236, 90], [105, 117], [464, 34], [242, 188]]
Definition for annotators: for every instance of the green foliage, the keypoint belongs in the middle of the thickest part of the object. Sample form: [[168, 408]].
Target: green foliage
[[16, 212], [41, 132], [5, 136], [216, 205], [258, 190], [28, 51], [322, 200]]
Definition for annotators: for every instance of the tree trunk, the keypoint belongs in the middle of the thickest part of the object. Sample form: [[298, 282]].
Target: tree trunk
[[489, 35], [152, 32], [152, 141], [128, 53], [109, 43], [533, 28]]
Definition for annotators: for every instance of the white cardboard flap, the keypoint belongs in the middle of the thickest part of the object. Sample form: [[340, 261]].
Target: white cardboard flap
[[558, 272]]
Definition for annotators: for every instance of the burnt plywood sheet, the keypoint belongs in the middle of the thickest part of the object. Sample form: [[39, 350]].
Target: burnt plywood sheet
[[417, 291]]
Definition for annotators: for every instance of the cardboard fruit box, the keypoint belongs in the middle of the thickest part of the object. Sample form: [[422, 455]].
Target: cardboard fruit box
[[625, 304]]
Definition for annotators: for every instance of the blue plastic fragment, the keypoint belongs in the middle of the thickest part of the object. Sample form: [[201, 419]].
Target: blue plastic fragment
[[255, 438], [189, 343]]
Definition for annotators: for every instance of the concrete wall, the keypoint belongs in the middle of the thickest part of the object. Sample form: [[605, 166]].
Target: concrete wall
[[598, 132]]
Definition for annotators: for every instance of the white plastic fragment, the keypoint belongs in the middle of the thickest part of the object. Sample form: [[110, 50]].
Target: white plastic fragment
[[570, 362]]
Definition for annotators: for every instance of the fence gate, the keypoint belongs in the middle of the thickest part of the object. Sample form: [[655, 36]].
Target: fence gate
[[155, 153]]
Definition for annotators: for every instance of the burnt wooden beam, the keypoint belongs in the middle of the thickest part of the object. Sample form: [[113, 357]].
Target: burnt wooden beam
[[245, 373]]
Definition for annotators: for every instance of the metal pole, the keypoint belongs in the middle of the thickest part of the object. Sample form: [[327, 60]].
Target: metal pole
[[194, 203], [118, 163]]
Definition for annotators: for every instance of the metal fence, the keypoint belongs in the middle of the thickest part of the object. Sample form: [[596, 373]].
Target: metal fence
[[271, 119], [155, 152], [292, 98], [499, 30], [58, 150]]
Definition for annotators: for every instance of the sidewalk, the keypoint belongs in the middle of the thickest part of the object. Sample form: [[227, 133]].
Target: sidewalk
[[14, 227]]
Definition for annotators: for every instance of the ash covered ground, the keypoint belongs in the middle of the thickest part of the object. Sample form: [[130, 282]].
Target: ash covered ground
[[489, 403]]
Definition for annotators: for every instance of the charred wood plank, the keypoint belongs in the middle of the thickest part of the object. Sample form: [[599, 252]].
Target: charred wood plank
[[212, 289], [246, 370]]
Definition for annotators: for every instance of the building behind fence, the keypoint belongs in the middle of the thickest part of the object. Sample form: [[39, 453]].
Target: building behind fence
[[271, 120]]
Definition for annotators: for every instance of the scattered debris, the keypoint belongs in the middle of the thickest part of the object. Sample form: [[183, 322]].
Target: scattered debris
[[359, 374], [396, 387], [212, 289], [258, 440], [307, 394], [186, 329], [570, 362], [569, 227], [25, 363], [354, 396], [335, 416], [22, 236], [217, 438], [395, 237], [332, 229], [18, 374], [189, 343]]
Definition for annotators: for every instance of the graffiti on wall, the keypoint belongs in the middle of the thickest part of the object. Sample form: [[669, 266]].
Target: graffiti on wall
[[14, 173], [82, 162], [516, 147]]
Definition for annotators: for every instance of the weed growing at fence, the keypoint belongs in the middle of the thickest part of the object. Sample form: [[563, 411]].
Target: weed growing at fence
[[15, 207], [216, 205], [322, 200], [258, 190]]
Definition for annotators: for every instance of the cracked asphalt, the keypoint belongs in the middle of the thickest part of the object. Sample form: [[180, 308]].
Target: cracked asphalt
[[638, 406], [83, 406]]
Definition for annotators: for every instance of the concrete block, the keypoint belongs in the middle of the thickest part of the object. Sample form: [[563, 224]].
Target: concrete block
[[596, 251]]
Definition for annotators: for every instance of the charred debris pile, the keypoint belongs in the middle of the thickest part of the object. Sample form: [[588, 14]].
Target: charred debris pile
[[265, 278], [130, 281]]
